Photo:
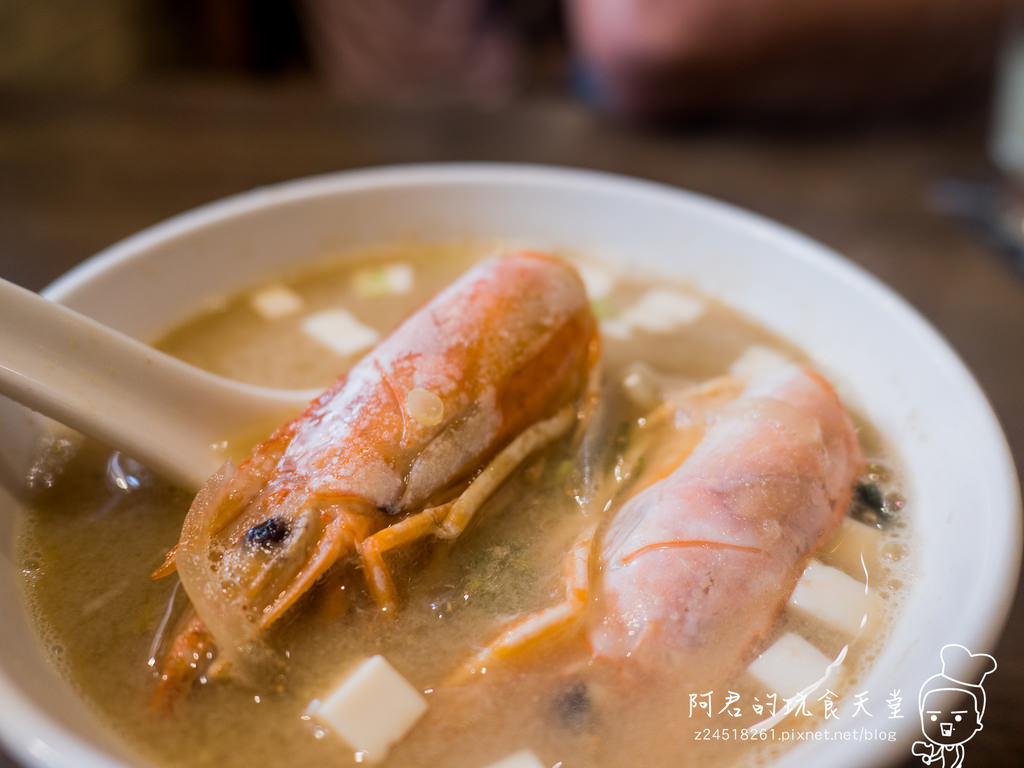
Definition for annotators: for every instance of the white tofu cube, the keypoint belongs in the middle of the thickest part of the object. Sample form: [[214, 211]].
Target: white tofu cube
[[338, 330], [372, 709], [598, 282], [276, 301], [389, 280], [657, 311], [757, 359], [828, 595], [616, 329], [662, 310], [790, 665], [524, 758], [400, 278], [853, 548]]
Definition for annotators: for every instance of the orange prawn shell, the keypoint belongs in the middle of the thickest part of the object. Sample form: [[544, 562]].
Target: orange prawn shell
[[512, 342], [508, 344], [696, 567]]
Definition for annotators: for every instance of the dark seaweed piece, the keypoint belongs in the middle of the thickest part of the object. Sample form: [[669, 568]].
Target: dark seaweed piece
[[869, 505], [870, 495], [266, 535], [572, 706]]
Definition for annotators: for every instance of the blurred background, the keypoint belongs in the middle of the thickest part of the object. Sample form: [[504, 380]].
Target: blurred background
[[891, 130], [642, 58]]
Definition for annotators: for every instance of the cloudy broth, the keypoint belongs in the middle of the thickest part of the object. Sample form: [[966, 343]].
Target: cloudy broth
[[102, 524]]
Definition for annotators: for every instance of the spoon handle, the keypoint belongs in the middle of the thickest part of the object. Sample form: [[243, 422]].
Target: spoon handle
[[165, 413]]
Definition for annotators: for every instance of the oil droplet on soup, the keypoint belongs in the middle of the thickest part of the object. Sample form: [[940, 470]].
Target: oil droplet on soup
[[102, 524]]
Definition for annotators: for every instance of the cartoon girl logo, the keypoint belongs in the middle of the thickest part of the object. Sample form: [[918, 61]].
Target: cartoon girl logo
[[952, 704]]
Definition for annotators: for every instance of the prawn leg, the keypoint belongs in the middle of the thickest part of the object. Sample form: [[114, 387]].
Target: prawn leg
[[371, 551], [448, 521], [542, 624], [188, 657]]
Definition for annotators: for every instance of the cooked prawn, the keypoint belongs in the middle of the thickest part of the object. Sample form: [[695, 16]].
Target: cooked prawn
[[693, 570], [406, 446]]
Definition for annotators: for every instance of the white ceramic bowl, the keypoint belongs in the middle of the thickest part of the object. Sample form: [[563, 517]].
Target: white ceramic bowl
[[886, 361]]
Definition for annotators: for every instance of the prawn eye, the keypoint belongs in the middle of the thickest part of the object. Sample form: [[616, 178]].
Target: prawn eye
[[266, 535]]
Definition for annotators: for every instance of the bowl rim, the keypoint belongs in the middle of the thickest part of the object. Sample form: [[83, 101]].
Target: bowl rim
[[34, 739]]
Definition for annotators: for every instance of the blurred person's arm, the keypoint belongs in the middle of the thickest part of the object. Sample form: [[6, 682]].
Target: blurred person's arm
[[669, 56]]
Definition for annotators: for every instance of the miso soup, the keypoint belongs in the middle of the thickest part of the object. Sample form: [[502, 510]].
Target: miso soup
[[102, 524]]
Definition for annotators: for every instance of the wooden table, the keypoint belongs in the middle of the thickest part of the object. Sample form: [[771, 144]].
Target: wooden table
[[79, 172]]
